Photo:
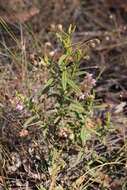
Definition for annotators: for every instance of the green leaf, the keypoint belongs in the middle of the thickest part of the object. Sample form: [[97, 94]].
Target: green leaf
[[47, 85], [28, 121], [86, 134], [61, 59], [79, 73], [74, 86], [57, 120], [59, 37], [59, 187], [77, 107], [80, 154], [40, 188], [64, 79], [83, 134], [70, 29]]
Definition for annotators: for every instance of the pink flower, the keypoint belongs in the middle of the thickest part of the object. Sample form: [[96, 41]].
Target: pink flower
[[89, 75], [91, 80], [81, 97], [20, 107], [87, 95]]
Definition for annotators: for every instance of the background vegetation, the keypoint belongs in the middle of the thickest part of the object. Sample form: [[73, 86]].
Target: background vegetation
[[63, 95]]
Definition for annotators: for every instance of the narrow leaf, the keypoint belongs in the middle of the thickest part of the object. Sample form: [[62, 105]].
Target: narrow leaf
[[77, 108], [70, 29], [83, 134], [61, 59], [79, 73], [48, 84], [28, 121], [59, 37], [74, 86], [57, 120]]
